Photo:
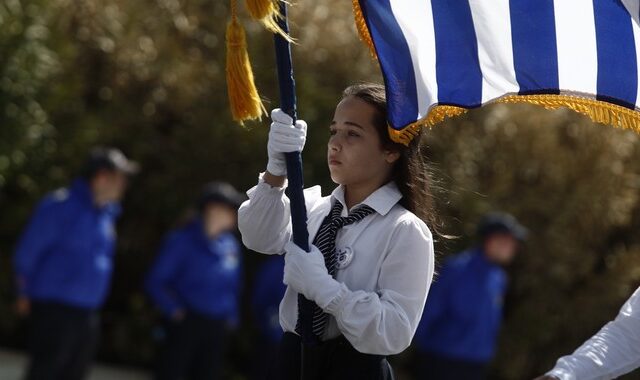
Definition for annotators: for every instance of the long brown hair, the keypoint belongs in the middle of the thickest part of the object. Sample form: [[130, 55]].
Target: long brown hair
[[410, 172]]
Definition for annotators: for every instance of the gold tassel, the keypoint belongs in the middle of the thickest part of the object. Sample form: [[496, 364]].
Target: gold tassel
[[243, 95], [268, 13]]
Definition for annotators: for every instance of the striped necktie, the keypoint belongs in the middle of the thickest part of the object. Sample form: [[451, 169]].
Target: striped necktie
[[325, 240]]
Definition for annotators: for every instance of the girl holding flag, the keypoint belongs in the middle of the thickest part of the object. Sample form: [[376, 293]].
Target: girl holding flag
[[371, 260]]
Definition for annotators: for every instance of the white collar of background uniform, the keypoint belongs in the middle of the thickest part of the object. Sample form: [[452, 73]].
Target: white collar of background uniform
[[381, 200]]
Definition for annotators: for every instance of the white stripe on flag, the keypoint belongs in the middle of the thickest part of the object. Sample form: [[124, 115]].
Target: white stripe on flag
[[634, 9], [492, 22], [577, 49], [416, 21]]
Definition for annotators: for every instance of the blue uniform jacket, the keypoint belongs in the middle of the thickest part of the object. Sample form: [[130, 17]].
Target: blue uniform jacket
[[268, 292], [66, 252], [197, 274], [463, 312]]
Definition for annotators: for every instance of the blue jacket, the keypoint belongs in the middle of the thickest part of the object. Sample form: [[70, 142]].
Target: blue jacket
[[463, 312], [197, 274], [66, 252], [267, 294]]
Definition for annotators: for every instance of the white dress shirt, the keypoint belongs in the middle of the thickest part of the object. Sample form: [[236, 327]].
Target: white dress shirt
[[613, 351], [384, 287]]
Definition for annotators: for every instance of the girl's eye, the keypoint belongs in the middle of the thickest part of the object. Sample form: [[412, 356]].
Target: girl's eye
[[332, 132], [353, 134]]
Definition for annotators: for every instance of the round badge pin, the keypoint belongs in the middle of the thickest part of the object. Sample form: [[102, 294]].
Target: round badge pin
[[345, 256]]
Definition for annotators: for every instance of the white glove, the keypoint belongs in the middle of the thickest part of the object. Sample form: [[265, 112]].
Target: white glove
[[306, 273], [284, 137]]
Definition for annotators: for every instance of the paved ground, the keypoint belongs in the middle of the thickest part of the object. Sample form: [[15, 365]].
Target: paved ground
[[12, 363]]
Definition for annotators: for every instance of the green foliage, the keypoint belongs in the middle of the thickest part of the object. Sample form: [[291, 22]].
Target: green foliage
[[575, 185], [148, 76]]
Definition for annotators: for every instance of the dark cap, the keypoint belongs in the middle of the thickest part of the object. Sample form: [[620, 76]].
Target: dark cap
[[500, 222], [220, 192], [108, 158]]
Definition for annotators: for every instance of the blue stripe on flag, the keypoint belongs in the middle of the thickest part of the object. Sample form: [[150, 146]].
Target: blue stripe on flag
[[395, 60], [457, 67], [535, 52], [617, 66]]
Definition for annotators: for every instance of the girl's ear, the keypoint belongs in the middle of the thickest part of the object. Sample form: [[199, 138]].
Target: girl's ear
[[391, 156]]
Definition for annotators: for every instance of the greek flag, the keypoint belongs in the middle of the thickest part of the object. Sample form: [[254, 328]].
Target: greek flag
[[442, 57]]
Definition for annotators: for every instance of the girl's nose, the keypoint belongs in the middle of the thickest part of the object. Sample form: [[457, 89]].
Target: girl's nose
[[334, 144]]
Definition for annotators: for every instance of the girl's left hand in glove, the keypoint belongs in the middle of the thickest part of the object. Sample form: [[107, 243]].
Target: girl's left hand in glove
[[307, 274]]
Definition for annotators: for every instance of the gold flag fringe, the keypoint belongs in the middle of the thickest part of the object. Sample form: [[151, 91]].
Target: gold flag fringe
[[598, 111], [363, 30]]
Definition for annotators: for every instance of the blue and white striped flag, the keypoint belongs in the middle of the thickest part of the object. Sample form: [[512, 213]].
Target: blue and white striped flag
[[441, 57]]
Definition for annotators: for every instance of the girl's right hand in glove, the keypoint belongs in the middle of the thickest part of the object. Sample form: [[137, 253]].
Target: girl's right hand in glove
[[284, 137]]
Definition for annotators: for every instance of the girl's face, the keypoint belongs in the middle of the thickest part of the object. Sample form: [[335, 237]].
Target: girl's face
[[355, 154]]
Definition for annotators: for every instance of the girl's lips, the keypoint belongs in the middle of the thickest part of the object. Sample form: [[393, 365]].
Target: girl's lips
[[334, 162]]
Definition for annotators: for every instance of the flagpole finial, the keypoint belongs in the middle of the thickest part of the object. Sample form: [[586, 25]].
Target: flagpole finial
[[244, 99]]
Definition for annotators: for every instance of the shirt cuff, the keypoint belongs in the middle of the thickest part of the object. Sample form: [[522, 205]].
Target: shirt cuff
[[561, 374], [262, 185], [264, 190], [339, 294]]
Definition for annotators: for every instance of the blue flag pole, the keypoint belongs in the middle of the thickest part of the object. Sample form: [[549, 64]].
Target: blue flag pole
[[294, 167]]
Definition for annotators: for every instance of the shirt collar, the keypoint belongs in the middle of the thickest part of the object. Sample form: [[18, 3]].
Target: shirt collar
[[381, 200]]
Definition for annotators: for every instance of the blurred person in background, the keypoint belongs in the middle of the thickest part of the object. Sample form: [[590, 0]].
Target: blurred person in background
[[457, 335], [63, 265], [268, 291], [612, 352], [196, 282]]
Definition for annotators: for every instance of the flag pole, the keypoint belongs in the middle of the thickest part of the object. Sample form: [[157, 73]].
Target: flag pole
[[294, 163]]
